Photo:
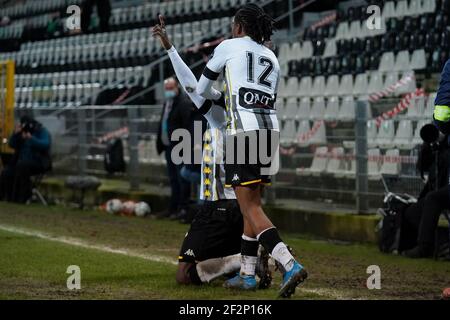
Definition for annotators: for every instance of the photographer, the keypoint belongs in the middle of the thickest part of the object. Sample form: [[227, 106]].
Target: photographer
[[421, 219], [31, 143]]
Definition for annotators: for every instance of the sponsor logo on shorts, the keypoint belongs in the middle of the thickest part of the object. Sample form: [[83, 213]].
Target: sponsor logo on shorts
[[235, 177], [189, 252]]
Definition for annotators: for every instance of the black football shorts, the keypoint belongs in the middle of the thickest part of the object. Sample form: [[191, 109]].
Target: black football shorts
[[253, 156], [215, 232]]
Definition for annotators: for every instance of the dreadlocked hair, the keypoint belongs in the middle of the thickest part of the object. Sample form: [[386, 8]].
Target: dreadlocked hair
[[257, 24]]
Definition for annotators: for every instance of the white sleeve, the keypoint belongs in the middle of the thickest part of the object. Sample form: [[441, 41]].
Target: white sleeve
[[186, 77], [212, 71]]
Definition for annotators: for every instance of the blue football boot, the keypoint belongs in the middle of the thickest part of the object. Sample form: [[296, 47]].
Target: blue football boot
[[241, 283], [291, 279]]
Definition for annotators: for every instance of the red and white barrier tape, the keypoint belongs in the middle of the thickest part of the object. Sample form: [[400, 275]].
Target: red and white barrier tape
[[304, 137], [373, 158], [391, 89], [324, 21], [402, 105], [114, 134], [287, 151], [121, 97]]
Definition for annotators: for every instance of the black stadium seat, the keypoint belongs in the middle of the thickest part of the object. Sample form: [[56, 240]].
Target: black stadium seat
[[401, 41], [357, 45], [332, 30], [445, 40], [374, 62], [319, 47], [332, 66], [426, 22], [387, 42]]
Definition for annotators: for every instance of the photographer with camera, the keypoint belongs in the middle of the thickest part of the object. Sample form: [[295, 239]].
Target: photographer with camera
[[434, 158], [31, 143], [421, 219]]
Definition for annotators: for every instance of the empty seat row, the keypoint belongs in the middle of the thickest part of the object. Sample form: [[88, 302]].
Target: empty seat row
[[98, 52], [295, 51], [39, 21], [354, 64], [337, 163], [32, 8], [57, 96], [422, 23], [363, 84], [420, 108], [392, 41], [405, 137], [403, 61], [139, 75], [331, 109], [326, 161], [403, 8], [13, 31], [364, 28], [386, 136], [75, 88], [149, 11], [297, 133], [203, 26], [359, 29]]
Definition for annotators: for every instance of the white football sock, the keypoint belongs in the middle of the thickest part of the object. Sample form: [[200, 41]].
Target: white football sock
[[282, 255], [248, 265], [211, 269]]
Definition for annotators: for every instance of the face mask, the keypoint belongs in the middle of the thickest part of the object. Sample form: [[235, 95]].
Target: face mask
[[169, 94]]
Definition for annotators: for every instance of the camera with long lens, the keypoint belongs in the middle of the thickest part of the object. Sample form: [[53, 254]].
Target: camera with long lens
[[430, 135], [29, 127]]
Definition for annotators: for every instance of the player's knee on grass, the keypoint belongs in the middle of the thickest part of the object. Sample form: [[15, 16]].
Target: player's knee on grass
[[182, 276], [187, 274]]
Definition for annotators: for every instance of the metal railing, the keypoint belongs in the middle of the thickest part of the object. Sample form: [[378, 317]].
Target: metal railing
[[82, 151], [328, 160]]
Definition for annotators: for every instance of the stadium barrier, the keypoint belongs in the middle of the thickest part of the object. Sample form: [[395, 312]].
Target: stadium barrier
[[80, 136], [338, 160]]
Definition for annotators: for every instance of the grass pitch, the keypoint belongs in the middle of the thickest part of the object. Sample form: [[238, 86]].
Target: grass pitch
[[132, 258]]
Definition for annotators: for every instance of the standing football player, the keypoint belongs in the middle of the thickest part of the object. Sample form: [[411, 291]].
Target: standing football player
[[211, 247], [251, 74]]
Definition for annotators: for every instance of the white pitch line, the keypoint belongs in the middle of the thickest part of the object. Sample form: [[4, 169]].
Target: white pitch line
[[84, 244], [330, 293]]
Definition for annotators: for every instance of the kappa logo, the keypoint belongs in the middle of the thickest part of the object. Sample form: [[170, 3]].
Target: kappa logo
[[235, 177], [189, 252]]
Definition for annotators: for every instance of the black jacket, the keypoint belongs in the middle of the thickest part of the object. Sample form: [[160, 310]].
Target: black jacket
[[179, 117], [427, 163]]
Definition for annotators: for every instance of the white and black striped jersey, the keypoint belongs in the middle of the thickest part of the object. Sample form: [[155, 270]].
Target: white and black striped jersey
[[213, 172], [212, 186], [251, 73]]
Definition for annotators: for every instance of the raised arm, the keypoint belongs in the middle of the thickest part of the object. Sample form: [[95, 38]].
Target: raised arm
[[182, 71], [187, 78]]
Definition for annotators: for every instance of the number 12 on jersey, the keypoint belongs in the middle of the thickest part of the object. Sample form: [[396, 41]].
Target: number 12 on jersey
[[263, 77]]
